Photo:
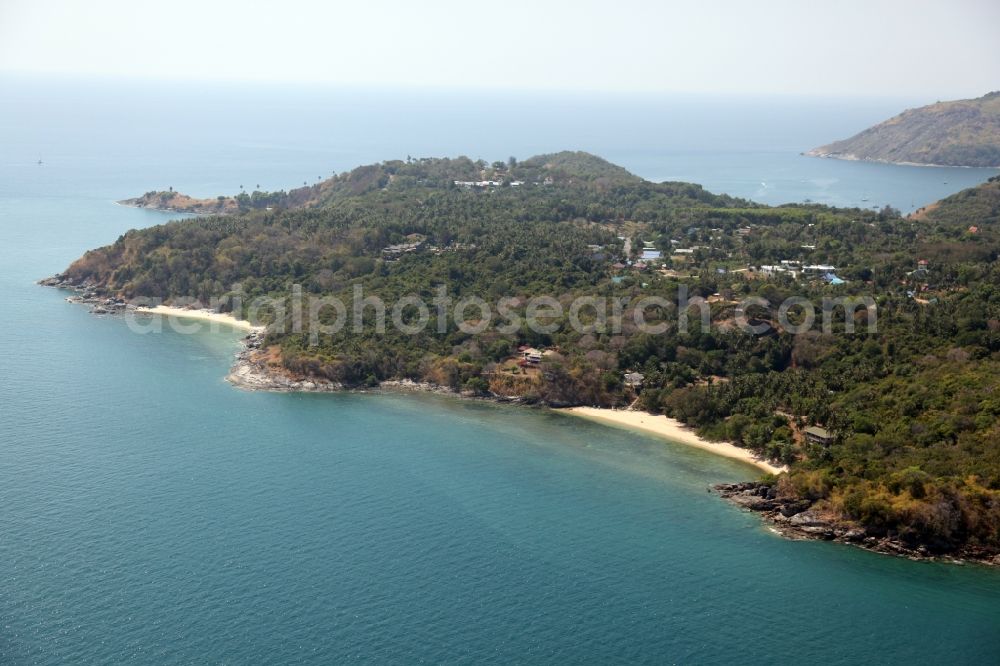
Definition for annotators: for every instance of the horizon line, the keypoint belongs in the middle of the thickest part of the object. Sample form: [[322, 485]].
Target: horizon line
[[401, 86]]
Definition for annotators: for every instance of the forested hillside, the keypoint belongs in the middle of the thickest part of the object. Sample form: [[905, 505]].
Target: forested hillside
[[911, 408]]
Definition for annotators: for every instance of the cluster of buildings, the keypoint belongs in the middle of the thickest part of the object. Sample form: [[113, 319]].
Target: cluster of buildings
[[396, 251], [795, 269], [649, 252], [486, 183], [650, 257], [416, 242]]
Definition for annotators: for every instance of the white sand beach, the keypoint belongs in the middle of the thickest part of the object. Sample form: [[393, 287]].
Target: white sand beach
[[671, 429], [202, 315]]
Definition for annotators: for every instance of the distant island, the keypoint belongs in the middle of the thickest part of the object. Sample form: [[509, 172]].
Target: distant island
[[891, 437], [959, 133]]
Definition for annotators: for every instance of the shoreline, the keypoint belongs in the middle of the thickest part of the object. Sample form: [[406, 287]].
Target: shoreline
[[669, 429], [168, 209], [850, 157], [800, 519], [202, 315], [249, 372], [788, 517], [178, 211]]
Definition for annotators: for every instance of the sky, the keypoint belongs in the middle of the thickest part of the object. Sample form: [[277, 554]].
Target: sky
[[935, 50]]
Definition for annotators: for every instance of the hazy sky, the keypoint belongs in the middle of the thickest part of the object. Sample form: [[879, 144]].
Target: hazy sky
[[935, 50]]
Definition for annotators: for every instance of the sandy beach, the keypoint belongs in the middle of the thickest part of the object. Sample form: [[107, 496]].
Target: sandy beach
[[202, 315], [671, 429], [661, 426]]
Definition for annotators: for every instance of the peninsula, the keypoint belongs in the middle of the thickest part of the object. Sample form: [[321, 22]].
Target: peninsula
[[889, 431]]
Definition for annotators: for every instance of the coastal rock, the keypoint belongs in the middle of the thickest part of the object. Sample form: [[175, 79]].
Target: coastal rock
[[754, 502], [793, 507], [251, 373], [851, 534], [795, 518], [807, 519]]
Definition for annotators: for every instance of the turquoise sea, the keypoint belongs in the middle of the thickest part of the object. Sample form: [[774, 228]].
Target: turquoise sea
[[150, 513]]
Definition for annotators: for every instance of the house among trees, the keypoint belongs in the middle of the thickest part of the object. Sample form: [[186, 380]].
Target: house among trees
[[634, 380], [817, 435], [533, 356], [395, 251]]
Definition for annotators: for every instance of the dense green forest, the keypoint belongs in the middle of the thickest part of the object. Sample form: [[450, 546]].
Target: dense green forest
[[912, 408]]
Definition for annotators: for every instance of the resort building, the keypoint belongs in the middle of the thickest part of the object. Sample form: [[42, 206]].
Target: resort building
[[817, 435], [634, 380]]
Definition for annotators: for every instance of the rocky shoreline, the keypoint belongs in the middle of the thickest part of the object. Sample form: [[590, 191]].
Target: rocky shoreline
[[88, 294], [798, 518], [175, 202], [251, 372], [793, 518]]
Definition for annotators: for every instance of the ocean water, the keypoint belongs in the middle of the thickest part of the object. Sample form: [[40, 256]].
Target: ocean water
[[150, 513], [122, 138]]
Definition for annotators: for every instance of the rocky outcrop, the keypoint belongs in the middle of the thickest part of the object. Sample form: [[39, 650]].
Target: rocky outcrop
[[252, 372], [175, 202], [87, 293], [255, 370], [799, 518]]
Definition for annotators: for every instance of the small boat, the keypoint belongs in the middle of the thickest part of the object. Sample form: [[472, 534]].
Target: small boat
[[39, 161]]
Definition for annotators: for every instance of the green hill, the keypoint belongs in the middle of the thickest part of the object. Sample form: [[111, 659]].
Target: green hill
[[913, 453], [976, 206], [960, 133]]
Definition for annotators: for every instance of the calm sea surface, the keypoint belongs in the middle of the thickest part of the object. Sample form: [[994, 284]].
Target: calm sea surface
[[149, 513]]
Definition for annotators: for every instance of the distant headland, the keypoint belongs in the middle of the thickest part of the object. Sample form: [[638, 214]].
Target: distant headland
[[962, 133], [175, 202]]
